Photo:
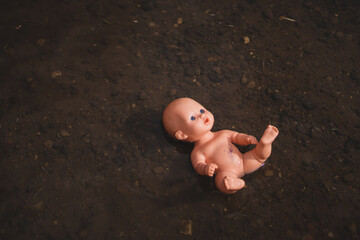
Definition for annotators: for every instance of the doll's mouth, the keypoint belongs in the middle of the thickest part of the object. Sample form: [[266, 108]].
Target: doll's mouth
[[206, 121]]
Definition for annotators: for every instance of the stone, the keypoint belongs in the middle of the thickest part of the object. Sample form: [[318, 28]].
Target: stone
[[56, 74], [83, 234], [251, 84], [268, 13], [246, 40], [316, 132], [307, 237], [244, 79], [172, 92], [64, 133], [352, 227], [48, 144], [197, 70], [340, 36], [41, 41], [186, 227], [158, 170], [142, 95], [38, 206], [269, 173], [334, 20]]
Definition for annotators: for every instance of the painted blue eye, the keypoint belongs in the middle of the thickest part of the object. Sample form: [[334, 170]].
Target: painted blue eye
[[192, 118], [202, 110]]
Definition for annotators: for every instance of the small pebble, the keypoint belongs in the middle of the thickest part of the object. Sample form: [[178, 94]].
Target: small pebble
[[158, 170], [316, 132], [340, 36], [64, 133], [49, 144], [41, 41], [329, 78], [9, 140], [246, 40], [352, 227], [172, 92], [83, 234], [186, 227], [279, 195], [142, 95], [268, 14], [244, 79], [307, 237], [29, 79], [334, 20], [217, 70], [151, 24], [179, 21], [251, 84], [197, 70], [269, 173], [38, 206], [56, 74]]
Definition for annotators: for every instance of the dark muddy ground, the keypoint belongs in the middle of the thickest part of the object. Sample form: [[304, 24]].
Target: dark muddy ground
[[83, 85]]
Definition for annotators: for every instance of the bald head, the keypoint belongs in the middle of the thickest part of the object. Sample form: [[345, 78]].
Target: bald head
[[187, 120], [171, 117]]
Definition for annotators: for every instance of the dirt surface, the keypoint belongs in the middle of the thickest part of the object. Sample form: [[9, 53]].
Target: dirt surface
[[83, 84]]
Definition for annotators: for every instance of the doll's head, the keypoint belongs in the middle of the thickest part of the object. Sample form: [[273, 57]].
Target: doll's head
[[187, 120]]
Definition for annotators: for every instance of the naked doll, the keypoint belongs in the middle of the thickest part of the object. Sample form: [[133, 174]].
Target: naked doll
[[214, 152]]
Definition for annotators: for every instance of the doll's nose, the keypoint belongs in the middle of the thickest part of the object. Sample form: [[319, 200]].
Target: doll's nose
[[202, 116]]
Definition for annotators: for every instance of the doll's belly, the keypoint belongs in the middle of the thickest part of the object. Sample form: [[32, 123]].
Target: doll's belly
[[228, 158]]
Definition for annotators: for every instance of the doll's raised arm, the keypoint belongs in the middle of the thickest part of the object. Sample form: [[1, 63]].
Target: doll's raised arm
[[200, 165], [241, 138]]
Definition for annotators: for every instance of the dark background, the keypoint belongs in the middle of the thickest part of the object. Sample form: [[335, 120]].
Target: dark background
[[83, 85]]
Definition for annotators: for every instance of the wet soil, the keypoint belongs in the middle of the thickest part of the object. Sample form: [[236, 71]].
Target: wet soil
[[83, 83]]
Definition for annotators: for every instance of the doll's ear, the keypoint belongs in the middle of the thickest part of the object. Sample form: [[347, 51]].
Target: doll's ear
[[180, 135]]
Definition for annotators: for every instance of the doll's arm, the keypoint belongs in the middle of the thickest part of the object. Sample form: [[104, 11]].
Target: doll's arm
[[241, 138], [201, 167]]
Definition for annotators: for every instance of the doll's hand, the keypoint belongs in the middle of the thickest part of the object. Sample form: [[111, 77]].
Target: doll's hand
[[210, 169], [251, 140]]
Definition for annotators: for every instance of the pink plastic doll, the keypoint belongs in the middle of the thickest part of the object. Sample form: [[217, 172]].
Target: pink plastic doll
[[214, 152]]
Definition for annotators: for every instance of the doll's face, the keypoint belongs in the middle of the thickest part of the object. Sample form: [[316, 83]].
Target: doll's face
[[189, 119]]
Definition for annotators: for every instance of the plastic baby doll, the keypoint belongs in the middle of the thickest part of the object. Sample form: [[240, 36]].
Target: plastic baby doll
[[214, 152]]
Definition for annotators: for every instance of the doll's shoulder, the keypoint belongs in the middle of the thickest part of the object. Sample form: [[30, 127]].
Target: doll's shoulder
[[225, 132]]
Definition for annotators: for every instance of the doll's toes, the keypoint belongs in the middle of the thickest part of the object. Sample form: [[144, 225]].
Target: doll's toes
[[232, 183]]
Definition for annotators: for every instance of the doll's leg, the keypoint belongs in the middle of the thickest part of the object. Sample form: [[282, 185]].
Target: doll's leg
[[228, 182], [255, 158]]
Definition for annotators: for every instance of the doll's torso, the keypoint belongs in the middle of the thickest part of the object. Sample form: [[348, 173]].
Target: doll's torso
[[220, 151]]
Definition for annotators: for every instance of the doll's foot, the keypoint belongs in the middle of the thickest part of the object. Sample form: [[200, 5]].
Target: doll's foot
[[232, 183], [269, 135]]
